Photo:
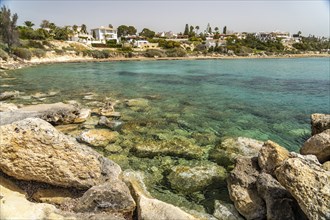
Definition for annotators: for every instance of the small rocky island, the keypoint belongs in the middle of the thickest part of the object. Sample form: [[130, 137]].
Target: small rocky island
[[49, 170]]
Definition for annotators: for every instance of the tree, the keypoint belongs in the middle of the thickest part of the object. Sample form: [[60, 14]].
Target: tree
[[124, 30], [8, 30], [147, 33], [197, 28], [186, 30], [29, 24], [83, 29], [224, 30], [216, 30], [44, 24], [191, 31], [110, 26], [75, 28]]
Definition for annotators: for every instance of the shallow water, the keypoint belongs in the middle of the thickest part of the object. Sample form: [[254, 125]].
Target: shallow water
[[190, 103], [257, 98]]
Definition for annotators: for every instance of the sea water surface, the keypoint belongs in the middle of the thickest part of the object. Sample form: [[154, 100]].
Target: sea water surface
[[257, 98], [196, 102]]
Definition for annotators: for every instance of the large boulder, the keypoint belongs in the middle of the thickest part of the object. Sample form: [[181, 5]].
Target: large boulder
[[187, 179], [318, 145], [112, 196], [308, 183], [320, 123], [56, 113], [243, 188], [33, 149], [228, 150], [280, 204], [149, 208], [271, 156]]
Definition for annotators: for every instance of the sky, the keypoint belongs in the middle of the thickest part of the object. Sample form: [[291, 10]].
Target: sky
[[307, 16]]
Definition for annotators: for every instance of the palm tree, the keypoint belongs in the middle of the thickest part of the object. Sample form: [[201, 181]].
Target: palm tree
[[197, 28], [75, 28], [83, 29], [29, 24]]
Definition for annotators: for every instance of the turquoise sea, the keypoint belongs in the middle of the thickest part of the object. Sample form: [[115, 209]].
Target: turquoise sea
[[257, 98], [187, 105]]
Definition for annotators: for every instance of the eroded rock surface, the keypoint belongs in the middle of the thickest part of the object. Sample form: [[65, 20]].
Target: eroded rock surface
[[32, 149], [318, 145], [56, 114], [308, 183], [271, 156], [320, 123], [243, 188]]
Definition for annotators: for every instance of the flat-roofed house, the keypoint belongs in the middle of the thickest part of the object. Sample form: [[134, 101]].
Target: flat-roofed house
[[104, 34]]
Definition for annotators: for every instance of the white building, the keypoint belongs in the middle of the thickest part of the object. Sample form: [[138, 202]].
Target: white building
[[104, 33], [144, 44]]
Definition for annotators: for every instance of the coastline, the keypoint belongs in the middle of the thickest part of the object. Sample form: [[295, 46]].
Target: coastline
[[18, 64]]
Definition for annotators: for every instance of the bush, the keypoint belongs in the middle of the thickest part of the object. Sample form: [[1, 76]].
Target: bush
[[47, 43], [101, 54], [23, 53], [3, 55], [35, 44], [39, 53], [59, 52], [154, 53], [176, 52]]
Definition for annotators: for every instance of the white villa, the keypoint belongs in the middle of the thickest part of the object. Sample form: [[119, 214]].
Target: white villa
[[104, 33]]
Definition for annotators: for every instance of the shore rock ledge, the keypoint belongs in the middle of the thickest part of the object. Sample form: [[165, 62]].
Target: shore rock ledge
[[32, 149]]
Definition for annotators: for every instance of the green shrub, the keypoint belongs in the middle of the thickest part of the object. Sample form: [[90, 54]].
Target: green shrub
[[39, 53], [3, 55], [59, 52], [47, 43], [176, 52], [23, 53], [35, 44], [154, 53]]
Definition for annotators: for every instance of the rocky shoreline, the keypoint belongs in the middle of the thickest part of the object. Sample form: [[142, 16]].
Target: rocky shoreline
[[50, 167], [18, 64]]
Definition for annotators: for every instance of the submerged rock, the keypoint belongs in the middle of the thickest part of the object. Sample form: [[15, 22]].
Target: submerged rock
[[175, 147], [32, 149], [98, 137], [187, 179], [308, 183], [149, 208], [243, 188], [225, 153], [114, 125], [271, 156], [320, 123], [139, 102], [318, 145], [112, 196]]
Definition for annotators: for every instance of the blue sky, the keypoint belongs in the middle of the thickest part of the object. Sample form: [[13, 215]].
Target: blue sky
[[308, 16]]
